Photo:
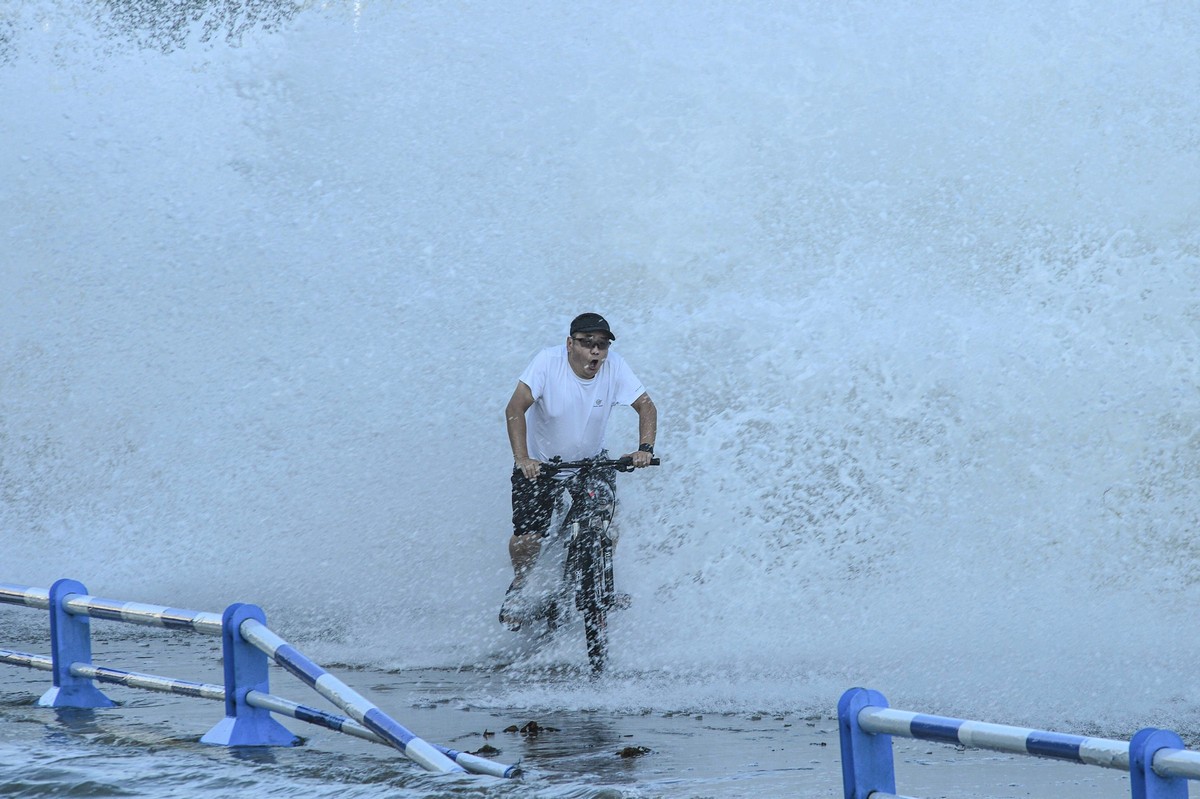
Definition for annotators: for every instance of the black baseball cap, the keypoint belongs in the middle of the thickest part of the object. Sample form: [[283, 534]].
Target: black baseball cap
[[591, 323]]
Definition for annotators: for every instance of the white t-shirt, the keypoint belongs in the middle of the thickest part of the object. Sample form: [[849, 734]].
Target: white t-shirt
[[569, 414]]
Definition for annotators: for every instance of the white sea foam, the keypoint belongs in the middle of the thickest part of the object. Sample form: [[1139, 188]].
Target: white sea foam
[[915, 291]]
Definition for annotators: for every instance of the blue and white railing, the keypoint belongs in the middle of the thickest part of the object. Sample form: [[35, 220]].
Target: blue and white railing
[[1158, 763], [247, 643]]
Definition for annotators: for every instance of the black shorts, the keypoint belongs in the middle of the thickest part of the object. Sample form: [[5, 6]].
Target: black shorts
[[533, 500]]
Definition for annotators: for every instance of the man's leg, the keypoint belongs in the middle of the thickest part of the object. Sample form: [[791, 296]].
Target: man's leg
[[523, 550], [533, 505]]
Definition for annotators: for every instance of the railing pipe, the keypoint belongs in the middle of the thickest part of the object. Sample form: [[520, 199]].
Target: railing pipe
[[80, 603], [149, 682], [270, 702], [997, 737], [1157, 760], [27, 660], [344, 697], [130, 679], [480, 765], [1104, 752], [145, 615], [27, 595], [275, 704]]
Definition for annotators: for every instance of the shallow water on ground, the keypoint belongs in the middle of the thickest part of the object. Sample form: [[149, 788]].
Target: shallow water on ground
[[149, 745]]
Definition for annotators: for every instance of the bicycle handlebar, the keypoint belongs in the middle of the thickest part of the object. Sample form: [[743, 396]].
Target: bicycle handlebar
[[620, 464]]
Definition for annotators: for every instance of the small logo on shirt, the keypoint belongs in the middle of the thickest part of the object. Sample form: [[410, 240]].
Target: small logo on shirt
[[599, 404]]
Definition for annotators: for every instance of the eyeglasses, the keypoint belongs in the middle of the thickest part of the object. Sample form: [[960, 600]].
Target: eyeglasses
[[589, 343]]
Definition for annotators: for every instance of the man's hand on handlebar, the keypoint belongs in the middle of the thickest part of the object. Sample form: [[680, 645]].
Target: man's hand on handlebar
[[530, 467], [626, 463], [639, 458]]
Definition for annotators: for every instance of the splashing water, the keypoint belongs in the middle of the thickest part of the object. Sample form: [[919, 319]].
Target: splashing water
[[913, 286]]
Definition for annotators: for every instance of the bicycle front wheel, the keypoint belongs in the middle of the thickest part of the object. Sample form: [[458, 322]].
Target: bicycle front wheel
[[595, 630], [594, 595]]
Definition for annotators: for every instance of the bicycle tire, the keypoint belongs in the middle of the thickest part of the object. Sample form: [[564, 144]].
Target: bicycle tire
[[589, 600], [595, 632], [586, 569]]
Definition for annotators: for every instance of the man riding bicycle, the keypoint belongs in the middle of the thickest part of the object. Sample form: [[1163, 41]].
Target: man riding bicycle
[[560, 409]]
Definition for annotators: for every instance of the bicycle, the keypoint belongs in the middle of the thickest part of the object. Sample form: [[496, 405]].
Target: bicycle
[[579, 538]]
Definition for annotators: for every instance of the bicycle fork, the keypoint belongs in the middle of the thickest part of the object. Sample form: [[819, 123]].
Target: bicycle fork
[[593, 569], [592, 575]]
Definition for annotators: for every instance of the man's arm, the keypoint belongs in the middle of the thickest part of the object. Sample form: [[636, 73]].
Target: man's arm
[[647, 428], [514, 420]]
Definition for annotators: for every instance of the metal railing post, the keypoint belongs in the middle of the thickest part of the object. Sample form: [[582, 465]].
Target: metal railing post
[[246, 670], [1145, 782], [70, 642], [867, 764]]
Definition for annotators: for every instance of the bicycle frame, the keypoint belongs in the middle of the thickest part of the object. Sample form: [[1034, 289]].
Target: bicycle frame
[[587, 570]]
